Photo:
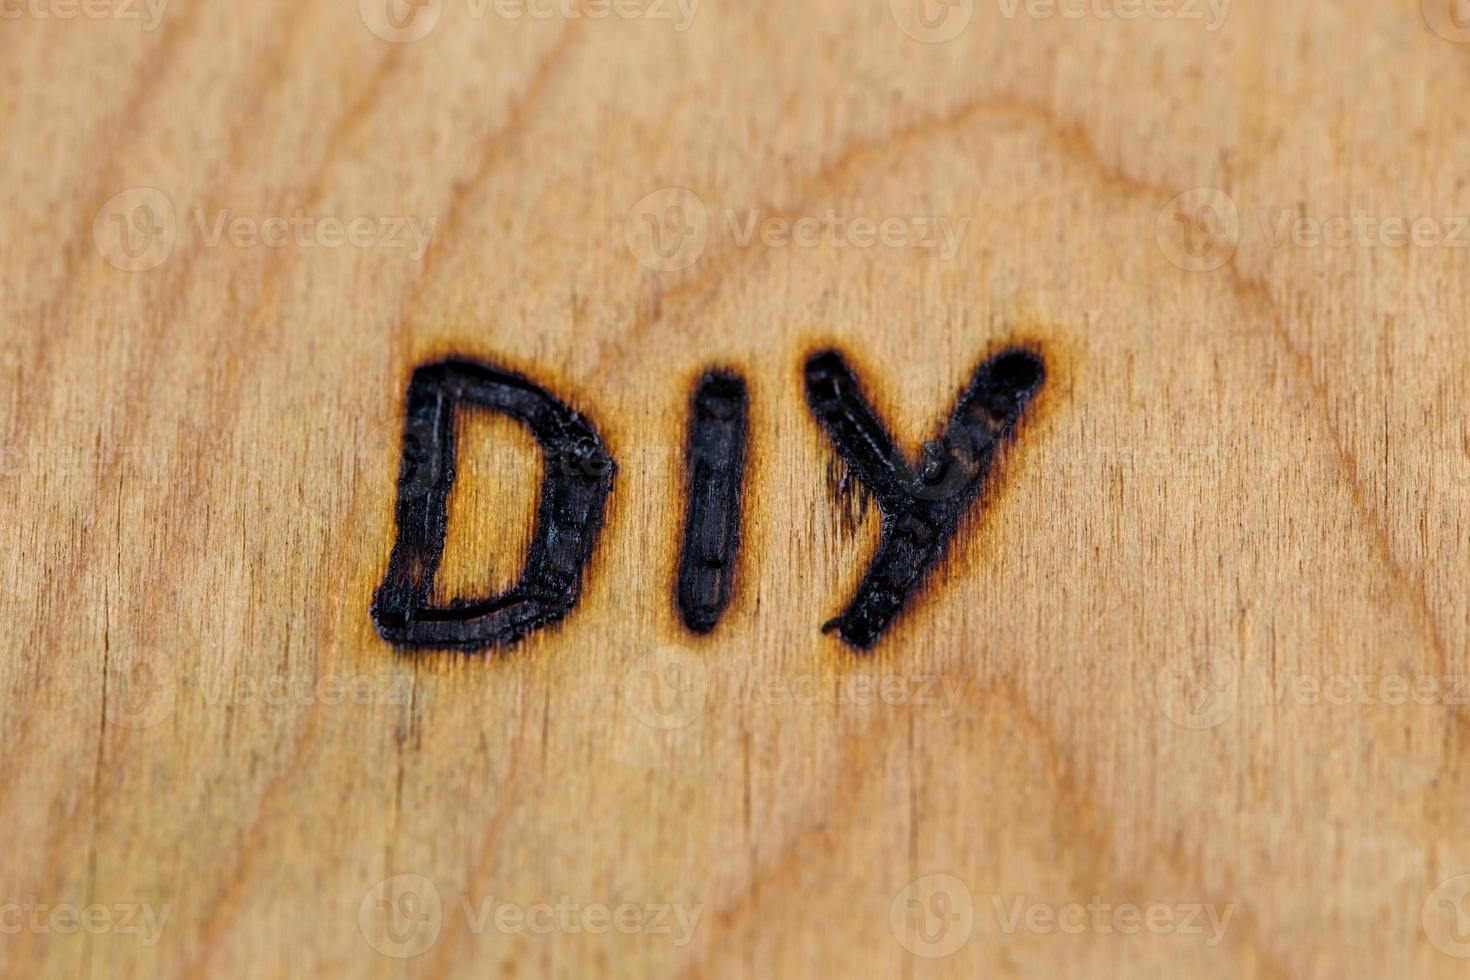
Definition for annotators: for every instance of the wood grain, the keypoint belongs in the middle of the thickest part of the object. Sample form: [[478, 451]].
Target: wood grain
[[1159, 666]]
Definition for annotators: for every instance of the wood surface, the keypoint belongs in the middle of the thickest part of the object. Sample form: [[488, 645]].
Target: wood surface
[[1241, 490]]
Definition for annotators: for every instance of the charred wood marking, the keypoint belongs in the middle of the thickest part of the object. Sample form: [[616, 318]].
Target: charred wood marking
[[715, 463], [578, 477], [920, 508]]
